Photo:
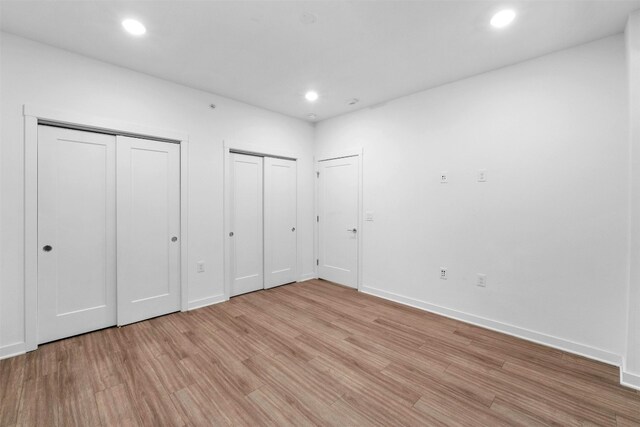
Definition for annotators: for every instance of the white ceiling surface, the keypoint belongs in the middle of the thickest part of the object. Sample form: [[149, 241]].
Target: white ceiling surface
[[263, 53]]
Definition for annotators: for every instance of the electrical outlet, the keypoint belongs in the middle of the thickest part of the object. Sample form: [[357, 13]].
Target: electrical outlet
[[444, 177], [200, 266], [443, 273], [482, 280], [482, 175]]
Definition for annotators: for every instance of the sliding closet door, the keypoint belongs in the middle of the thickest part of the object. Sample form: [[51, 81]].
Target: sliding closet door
[[280, 206], [148, 216], [246, 242], [76, 232]]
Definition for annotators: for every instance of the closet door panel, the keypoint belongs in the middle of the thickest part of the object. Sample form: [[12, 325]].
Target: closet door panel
[[280, 221], [76, 232], [148, 229], [246, 224]]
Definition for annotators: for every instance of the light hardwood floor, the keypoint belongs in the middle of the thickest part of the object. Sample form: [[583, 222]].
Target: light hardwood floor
[[311, 353]]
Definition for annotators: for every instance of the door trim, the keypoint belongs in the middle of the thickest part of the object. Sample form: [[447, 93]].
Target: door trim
[[34, 115], [355, 152], [255, 150]]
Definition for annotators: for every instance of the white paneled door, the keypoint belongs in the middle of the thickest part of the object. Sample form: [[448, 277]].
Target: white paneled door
[[280, 243], [246, 226], [76, 232], [148, 214], [338, 187]]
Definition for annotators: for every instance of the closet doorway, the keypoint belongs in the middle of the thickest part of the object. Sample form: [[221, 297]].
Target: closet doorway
[[261, 222], [108, 230]]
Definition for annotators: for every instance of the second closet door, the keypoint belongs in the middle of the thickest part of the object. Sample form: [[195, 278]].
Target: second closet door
[[280, 243], [148, 198]]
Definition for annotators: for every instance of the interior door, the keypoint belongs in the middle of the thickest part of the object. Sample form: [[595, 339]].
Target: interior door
[[246, 211], [280, 243], [148, 197], [338, 220], [76, 232]]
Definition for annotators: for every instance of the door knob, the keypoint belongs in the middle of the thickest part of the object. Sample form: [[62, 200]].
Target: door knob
[[174, 239], [47, 248], [353, 230], [231, 234], [293, 229]]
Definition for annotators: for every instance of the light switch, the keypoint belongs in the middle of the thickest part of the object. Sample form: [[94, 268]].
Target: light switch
[[444, 177], [482, 175], [200, 266], [482, 280], [368, 216]]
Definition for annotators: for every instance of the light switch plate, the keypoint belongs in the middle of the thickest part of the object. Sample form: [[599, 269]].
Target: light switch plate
[[482, 280], [444, 177], [482, 175], [368, 216], [200, 266]]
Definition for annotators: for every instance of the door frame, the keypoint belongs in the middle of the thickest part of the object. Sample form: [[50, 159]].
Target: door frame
[[255, 150], [354, 152], [35, 115]]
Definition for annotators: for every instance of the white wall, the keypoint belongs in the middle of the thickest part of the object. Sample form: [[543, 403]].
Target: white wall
[[36, 74], [548, 228], [631, 374]]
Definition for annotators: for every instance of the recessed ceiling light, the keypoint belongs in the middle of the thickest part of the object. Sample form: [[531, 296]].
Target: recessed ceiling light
[[134, 27], [503, 18], [311, 96]]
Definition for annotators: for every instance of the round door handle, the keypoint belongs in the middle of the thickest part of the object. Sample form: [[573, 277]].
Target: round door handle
[[353, 230], [231, 234], [174, 239], [47, 248], [293, 229]]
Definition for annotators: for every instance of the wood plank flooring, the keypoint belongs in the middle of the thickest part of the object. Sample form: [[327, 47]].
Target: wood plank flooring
[[310, 353]]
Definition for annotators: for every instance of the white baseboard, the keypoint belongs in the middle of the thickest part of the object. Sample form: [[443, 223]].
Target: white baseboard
[[203, 302], [307, 276], [12, 350], [526, 334], [629, 379]]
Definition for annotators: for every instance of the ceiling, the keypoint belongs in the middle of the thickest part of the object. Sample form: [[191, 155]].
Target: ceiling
[[269, 53]]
